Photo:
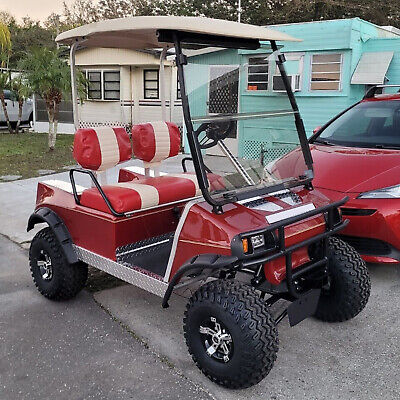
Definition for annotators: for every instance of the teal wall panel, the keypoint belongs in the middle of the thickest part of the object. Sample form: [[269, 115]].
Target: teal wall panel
[[350, 37]]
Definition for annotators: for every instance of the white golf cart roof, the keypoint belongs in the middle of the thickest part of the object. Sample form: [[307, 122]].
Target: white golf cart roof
[[141, 32]]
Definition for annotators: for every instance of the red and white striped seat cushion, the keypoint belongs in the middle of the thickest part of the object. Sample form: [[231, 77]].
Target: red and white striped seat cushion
[[142, 193], [101, 148], [154, 142]]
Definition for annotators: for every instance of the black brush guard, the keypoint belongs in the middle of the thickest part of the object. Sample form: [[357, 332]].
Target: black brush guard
[[332, 226]]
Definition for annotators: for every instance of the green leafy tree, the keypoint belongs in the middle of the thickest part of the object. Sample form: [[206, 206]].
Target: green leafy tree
[[48, 75], [259, 12], [80, 12], [5, 50], [22, 91], [5, 85], [27, 35]]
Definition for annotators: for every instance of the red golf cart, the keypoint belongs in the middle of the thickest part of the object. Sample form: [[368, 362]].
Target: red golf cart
[[240, 233]]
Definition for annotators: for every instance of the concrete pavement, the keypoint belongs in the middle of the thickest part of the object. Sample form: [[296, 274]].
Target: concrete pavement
[[72, 350]]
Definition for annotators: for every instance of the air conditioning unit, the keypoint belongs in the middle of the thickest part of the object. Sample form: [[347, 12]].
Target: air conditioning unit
[[278, 86]]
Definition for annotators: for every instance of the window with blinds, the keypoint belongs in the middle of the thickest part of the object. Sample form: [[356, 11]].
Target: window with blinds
[[326, 71]]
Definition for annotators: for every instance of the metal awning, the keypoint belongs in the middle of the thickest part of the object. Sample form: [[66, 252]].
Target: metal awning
[[372, 68]]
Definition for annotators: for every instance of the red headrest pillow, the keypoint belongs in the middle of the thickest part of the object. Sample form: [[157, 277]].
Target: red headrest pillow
[[101, 148], [155, 141]]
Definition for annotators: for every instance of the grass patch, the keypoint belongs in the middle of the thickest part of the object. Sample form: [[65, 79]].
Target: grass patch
[[25, 153]]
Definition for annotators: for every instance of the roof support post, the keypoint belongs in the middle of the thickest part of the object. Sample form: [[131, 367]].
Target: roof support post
[[162, 84], [74, 88], [280, 59]]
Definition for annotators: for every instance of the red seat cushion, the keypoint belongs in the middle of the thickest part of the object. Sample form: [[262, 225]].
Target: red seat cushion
[[141, 194]]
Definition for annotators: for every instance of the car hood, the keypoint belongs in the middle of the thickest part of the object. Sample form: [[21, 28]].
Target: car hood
[[354, 170], [349, 169]]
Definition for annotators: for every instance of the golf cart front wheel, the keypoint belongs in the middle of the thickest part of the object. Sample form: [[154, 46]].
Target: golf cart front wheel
[[53, 276], [230, 334], [349, 285]]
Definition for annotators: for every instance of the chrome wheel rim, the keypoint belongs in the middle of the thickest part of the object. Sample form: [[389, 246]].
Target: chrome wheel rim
[[217, 340], [45, 266]]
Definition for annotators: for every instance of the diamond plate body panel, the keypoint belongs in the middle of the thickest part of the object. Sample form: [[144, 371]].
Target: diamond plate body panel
[[133, 276]]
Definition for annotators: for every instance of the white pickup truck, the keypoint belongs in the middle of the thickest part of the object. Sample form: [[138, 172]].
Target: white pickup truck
[[13, 107]]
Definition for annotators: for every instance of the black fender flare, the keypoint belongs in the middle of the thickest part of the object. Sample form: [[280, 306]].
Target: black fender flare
[[56, 224], [199, 263]]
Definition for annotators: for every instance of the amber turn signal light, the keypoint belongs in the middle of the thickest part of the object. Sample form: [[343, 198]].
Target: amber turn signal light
[[245, 243]]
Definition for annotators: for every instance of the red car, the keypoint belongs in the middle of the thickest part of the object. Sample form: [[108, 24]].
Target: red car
[[357, 154]]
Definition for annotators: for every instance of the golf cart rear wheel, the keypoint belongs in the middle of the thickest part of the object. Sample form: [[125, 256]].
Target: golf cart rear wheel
[[53, 276], [349, 284], [230, 334]]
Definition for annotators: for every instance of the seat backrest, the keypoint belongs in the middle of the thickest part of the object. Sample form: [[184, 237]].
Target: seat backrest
[[101, 148], [154, 142]]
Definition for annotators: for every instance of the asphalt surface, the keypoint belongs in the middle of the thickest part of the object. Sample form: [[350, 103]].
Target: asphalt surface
[[74, 349], [355, 360], [88, 348]]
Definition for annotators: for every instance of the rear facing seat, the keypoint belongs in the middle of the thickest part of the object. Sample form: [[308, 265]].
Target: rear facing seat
[[102, 148]]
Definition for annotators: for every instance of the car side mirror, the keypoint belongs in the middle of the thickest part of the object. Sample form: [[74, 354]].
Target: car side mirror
[[317, 129]]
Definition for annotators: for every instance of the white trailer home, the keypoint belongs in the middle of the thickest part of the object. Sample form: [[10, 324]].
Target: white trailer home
[[124, 89]]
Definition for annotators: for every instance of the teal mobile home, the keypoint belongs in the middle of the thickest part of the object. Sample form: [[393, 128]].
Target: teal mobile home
[[332, 67]]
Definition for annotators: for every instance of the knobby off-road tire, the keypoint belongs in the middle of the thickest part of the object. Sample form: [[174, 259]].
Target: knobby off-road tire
[[246, 319], [57, 280], [350, 285]]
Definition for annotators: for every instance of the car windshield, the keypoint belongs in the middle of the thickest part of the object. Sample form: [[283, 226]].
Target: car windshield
[[368, 124], [253, 129]]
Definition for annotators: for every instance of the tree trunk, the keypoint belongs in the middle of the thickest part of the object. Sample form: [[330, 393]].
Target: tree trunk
[[55, 122], [50, 113], [3, 103], [20, 105]]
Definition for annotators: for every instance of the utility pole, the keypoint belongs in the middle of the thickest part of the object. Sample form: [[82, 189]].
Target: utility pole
[[239, 9]]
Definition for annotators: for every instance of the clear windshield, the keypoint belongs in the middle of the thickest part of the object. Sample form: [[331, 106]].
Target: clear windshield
[[368, 124], [244, 123]]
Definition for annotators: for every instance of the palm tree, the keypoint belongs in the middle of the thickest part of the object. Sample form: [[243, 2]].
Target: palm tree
[[47, 75], [5, 50], [22, 92]]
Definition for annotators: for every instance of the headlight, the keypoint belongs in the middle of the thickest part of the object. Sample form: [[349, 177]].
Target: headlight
[[257, 241], [392, 192]]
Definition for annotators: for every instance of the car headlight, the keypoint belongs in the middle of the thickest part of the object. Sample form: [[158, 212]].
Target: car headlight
[[391, 192]]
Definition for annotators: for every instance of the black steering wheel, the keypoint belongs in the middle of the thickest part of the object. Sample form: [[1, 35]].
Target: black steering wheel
[[214, 131]]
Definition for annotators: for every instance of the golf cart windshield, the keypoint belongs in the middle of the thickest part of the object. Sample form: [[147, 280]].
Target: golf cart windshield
[[241, 138], [243, 120]]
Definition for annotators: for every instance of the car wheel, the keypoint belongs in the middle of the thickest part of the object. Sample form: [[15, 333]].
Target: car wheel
[[53, 276], [349, 286], [230, 334]]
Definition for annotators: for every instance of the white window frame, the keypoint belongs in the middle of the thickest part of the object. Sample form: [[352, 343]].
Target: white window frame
[[290, 56], [102, 71], [293, 56], [335, 62]]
